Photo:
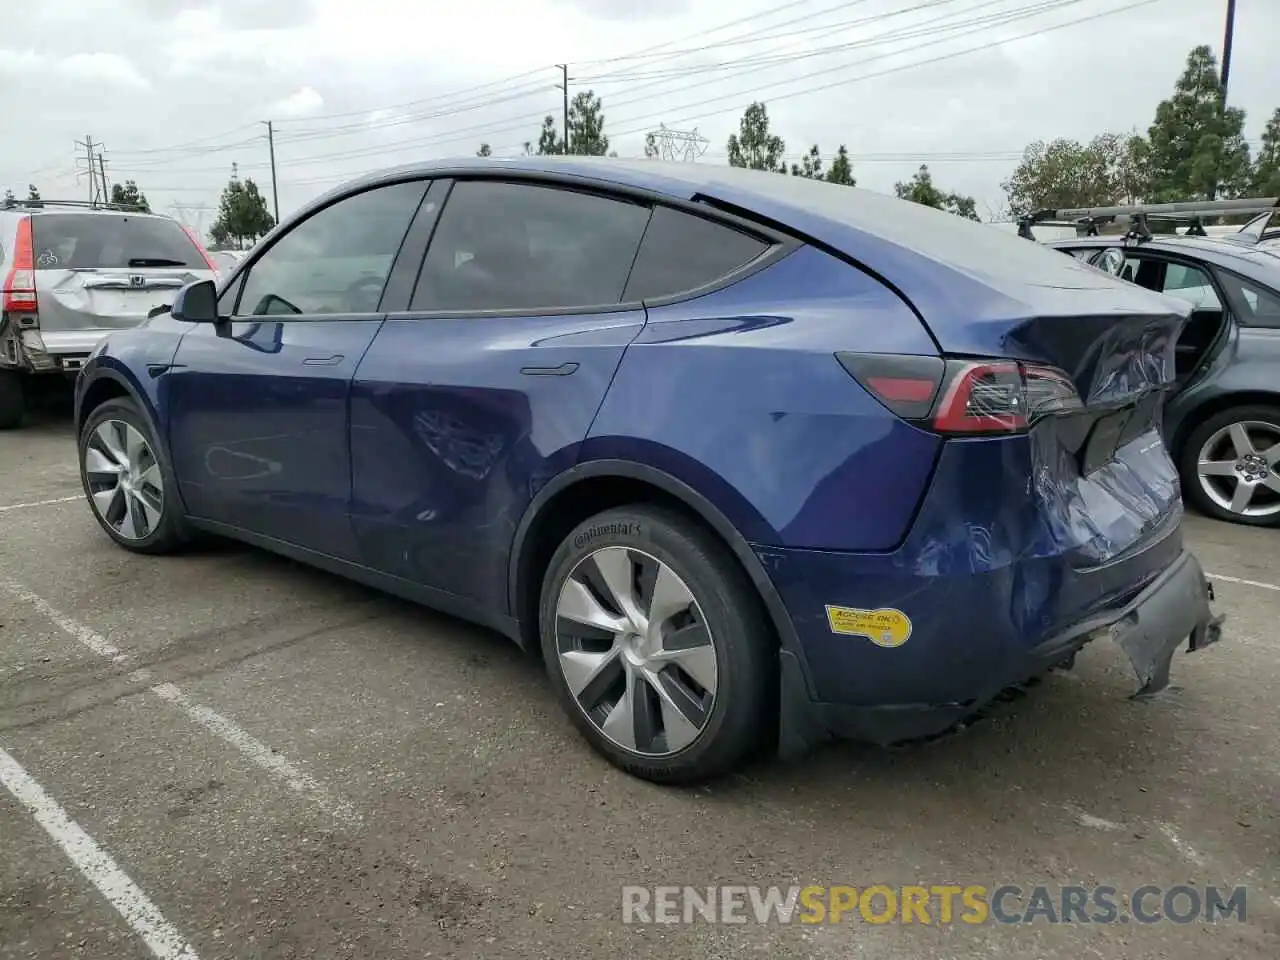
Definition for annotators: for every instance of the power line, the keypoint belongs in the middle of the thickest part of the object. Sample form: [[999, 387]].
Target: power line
[[773, 98], [954, 30]]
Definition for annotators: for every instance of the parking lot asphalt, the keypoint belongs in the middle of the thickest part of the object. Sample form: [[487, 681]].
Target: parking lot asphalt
[[226, 754]]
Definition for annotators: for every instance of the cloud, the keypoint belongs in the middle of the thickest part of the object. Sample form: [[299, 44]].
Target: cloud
[[103, 67], [301, 102], [93, 68]]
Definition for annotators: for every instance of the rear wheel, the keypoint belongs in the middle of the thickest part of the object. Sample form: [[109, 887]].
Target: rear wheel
[[657, 645], [13, 403], [129, 485], [1229, 466]]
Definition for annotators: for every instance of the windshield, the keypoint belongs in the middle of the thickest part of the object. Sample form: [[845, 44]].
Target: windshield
[[97, 241]]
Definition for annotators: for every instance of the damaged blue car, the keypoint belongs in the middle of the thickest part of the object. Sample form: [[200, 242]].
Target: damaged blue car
[[748, 461]]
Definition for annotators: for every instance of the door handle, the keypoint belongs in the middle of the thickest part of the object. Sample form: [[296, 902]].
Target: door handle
[[324, 361], [563, 370]]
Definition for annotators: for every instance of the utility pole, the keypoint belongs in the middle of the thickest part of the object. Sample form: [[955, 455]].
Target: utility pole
[[1226, 48], [102, 169], [271, 147], [564, 86]]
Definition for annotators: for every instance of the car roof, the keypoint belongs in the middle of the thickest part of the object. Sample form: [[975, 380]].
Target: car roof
[[72, 210], [1261, 261], [948, 267]]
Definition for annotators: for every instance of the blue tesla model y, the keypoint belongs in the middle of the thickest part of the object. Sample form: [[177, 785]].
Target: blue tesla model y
[[748, 460]]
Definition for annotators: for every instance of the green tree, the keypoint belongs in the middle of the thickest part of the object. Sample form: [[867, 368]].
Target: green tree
[[484, 151], [128, 194], [242, 214], [753, 146], [9, 198], [921, 189], [810, 165], [1266, 175], [33, 195], [586, 126], [842, 169], [1066, 173], [548, 140], [1197, 148]]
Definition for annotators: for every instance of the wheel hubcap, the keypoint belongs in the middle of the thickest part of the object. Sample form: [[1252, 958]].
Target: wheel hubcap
[[635, 651], [124, 479], [1237, 468]]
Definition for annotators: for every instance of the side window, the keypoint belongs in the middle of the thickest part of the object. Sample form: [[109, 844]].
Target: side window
[[682, 251], [336, 261], [1255, 305], [1192, 285], [516, 246]]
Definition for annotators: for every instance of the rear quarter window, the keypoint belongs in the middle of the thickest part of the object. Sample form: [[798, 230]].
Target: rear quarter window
[[681, 252], [111, 241]]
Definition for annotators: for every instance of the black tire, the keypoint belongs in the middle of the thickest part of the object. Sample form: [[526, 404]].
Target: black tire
[[13, 401], [742, 715], [1188, 460], [170, 533]]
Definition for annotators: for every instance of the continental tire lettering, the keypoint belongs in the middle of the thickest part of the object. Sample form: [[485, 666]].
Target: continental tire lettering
[[595, 532]]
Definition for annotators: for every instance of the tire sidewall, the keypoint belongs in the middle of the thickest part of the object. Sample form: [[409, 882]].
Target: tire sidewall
[[170, 533], [1192, 489], [738, 636]]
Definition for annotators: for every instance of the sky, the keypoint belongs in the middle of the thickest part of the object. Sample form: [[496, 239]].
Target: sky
[[174, 92]]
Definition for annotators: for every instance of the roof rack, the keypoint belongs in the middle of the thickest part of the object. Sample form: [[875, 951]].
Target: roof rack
[[1086, 220], [17, 203]]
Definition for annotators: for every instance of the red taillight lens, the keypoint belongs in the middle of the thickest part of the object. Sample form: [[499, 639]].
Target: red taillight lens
[[905, 384], [972, 396], [20, 284], [982, 398], [199, 246]]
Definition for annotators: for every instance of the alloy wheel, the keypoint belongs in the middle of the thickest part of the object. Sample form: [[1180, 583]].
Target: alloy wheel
[[1236, 468], [124, 479], [635, 651]]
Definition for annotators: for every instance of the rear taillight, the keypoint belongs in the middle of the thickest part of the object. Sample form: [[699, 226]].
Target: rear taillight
[[957, 396], [199, 246], [19, 293]]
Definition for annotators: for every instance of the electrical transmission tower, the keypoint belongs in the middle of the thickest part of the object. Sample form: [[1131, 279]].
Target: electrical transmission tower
[[191, 215], [94, 166], [683, 145]]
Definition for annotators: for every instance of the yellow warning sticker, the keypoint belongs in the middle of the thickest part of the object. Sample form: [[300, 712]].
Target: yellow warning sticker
[[885, 627]]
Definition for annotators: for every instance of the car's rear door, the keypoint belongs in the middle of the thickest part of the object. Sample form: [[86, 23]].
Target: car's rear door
[[258, 425], [100, 271], [485, 386]]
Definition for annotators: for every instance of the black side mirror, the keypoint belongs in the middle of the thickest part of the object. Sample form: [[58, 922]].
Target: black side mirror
[[196, 303]]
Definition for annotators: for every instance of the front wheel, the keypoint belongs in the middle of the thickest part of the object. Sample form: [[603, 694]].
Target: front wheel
[[1229, 466], [129, 485], [657, 645]]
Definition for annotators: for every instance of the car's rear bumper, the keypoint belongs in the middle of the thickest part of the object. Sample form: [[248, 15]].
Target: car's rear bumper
[[1172, 609]]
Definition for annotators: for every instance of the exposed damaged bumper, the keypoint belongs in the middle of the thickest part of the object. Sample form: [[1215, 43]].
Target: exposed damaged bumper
[[1172, 611]]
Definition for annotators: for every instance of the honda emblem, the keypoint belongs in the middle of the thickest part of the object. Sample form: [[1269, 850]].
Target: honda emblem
[[137, 280]]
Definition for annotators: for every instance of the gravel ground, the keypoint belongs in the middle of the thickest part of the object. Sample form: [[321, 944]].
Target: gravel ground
[[285, 765]]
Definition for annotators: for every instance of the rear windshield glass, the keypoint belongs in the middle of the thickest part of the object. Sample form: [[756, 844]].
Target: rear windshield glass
[[88, 241]]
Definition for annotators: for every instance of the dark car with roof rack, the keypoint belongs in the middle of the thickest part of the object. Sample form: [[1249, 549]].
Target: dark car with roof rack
[[1222, 419], [72, 272]]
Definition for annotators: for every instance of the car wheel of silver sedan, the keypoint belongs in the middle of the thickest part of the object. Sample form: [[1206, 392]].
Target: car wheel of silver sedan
[[1231, 466]]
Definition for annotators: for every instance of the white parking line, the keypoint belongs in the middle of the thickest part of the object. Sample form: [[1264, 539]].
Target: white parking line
[[1244, 583], [95, 864], [39, 503], [226, 729]]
